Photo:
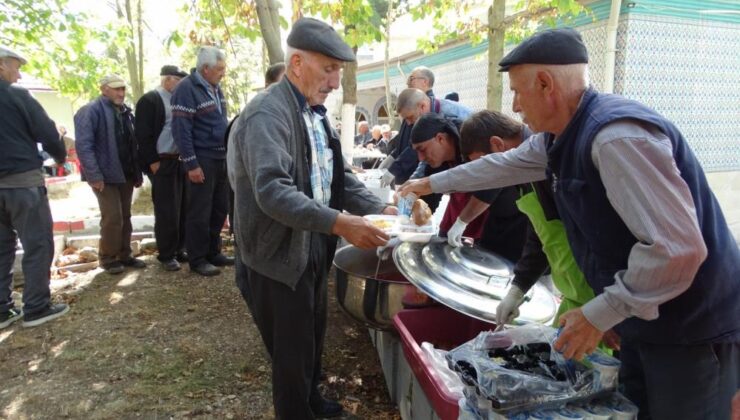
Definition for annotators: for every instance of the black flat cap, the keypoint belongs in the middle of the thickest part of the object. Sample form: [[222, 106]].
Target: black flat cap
[[553, 46], [430, 124], [314, 35], [169, 70]]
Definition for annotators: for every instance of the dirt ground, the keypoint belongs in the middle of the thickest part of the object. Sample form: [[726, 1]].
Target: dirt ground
[[157, 345]]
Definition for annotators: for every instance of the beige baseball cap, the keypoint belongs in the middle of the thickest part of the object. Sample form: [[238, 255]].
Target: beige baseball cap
[[113, 81], [7, 52]]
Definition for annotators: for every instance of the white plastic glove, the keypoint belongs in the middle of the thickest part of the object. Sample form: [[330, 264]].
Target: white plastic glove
[[454, 235], [386, 250], [386, 163], [508, 310], [386, 179]]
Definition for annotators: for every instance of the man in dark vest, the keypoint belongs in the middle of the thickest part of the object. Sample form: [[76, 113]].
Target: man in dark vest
[[643, 224], [160, 160]]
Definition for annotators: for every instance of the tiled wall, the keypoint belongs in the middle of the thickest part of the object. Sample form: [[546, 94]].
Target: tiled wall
[[686, 69]]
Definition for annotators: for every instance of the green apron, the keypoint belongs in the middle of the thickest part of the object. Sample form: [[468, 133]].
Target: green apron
[[566, 275]]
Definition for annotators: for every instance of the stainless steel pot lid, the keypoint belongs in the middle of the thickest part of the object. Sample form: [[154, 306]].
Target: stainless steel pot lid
[[468, 279]]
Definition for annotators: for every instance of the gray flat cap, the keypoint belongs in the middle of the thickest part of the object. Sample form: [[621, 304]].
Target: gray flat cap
[[314, 35], [553, 46], [113, 81], [7, 52], [170, 70]]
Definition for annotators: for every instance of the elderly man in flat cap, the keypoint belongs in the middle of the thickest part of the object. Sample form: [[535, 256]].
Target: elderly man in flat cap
[[292, 185], [107, 151], [644, 226], [159, 157], [24, 207]]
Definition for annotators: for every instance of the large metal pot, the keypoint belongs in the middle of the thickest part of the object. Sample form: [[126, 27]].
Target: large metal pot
[[370, 299], [470, 280]]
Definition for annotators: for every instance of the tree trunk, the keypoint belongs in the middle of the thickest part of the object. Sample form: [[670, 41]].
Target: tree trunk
[[140, 34], [269, 18], [349, 102], [132, 61], [496, 32], [386, 63], [297, 10]]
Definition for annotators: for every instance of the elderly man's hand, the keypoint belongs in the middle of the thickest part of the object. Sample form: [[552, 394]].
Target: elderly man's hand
[[578, 337], [359, 231], [97, 185], [612, 340], [419, 187], [196, 176]]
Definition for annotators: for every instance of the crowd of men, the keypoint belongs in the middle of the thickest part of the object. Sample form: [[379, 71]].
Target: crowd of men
[[601, 190]]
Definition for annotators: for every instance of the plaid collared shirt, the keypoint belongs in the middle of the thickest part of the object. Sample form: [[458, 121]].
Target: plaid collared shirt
[[322, 157]]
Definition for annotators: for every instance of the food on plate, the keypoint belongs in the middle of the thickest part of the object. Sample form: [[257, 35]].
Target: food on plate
[[421, 214], [382, 223]]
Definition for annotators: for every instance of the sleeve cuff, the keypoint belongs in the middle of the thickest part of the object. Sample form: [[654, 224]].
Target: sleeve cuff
[[601, 314], [325, 220], [191, 163], [439, 183]]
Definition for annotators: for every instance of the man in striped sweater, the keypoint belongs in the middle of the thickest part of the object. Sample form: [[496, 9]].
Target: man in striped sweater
[[198, 127]]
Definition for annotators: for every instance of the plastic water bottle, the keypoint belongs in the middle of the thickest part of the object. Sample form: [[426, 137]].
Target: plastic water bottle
[[405, 204]]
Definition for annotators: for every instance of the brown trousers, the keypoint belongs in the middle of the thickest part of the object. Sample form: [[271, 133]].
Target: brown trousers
[[115, 222]]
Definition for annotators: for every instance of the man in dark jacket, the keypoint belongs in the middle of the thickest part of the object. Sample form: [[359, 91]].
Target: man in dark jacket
[[291, 189], [108, 158], [24, 207], [413, 103], [489, 216], [160, 160], [198, 125]]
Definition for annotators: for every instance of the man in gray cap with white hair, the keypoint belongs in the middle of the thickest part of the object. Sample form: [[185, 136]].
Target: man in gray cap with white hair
[[24, 206], [644, 226], [292, 185], [107, 151]]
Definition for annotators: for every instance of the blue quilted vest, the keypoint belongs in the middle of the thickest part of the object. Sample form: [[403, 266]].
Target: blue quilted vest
[[709, 311]]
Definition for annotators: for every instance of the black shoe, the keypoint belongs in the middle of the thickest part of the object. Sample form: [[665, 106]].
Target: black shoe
[[221, 260], [206, 269], [182, 257], [9, 317], [53, 311], [133, 263], [324, 409], [171, 265], [114, 268]]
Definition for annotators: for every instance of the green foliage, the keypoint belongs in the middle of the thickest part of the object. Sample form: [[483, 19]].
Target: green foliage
[[231, 25], [63, 48], [359, 18], [451, 19]]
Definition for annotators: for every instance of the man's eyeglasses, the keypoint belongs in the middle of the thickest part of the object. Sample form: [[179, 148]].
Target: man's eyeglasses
[[412, 78]]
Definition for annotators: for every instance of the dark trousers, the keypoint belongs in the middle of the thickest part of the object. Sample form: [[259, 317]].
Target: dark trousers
[[292, 324], [25, 214], [115, 222], [680, 382], [169, 197], [208, 205]]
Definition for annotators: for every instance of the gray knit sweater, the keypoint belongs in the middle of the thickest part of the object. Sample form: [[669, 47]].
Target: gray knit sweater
[[267, 163]]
